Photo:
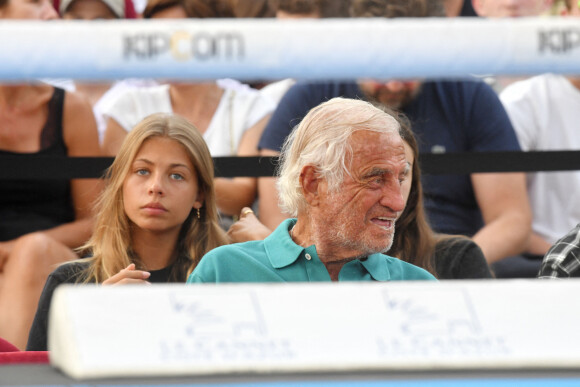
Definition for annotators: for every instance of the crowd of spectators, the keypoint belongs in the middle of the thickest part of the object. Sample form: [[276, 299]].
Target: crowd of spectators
[[491, 225]]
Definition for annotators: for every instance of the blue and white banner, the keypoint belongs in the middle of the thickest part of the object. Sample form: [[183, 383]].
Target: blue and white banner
[[250, 49]]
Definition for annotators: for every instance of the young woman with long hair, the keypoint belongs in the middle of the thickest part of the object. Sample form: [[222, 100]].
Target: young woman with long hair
[[156, 217]]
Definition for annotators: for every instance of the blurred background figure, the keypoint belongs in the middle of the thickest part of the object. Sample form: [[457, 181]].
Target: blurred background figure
[[511, 8], [41, 221], [301, 9], [544, 112], [298, 9], [41, 10], [180, 9], [252, 8], [95, 9], [455, 8], [101, 94]]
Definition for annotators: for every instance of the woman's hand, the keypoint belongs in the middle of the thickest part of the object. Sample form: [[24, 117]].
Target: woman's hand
[[248, 228], [129, 276]]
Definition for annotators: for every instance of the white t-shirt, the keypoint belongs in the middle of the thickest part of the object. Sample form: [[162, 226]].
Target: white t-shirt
[[240, 108], [110, 96], [545, 113], [276, 90], [106, 100]]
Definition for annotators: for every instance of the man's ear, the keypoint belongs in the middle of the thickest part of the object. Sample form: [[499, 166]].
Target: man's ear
[[309, 181]]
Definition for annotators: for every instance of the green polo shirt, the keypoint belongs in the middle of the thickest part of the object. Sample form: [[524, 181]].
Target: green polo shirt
[[279, 259]]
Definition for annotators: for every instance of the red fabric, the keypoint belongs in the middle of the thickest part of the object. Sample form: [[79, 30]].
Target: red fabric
[[6, 346], [10, 354], [130, 12], [24, 357]]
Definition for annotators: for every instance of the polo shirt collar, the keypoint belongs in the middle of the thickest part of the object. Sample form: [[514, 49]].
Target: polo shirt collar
[[377, 266], [280, 248], [282, 252]]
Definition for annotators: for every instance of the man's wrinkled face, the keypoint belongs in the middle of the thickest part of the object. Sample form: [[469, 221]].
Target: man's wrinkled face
[[359, 218], [395, 94]]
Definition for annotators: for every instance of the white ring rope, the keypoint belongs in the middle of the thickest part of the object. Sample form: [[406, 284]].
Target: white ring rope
[[250, 49]]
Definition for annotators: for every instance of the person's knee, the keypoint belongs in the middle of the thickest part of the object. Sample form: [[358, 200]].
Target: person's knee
[[33, 244], [35, 255]]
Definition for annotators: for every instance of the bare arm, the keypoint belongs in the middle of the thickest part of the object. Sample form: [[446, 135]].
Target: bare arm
[[269, 211], [114, 136], [234, 194], [538, 245], [504, 204], [81, 138]]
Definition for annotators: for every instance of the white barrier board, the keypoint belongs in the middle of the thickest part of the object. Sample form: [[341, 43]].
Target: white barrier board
[[250, 49], [98, 331]]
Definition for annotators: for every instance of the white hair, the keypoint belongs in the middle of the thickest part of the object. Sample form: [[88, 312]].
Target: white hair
[[322, 140]]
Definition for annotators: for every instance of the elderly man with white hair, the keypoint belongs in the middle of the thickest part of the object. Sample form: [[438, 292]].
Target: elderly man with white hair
[[342, 175]]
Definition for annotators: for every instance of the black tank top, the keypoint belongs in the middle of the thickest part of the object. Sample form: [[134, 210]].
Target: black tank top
[[33, 205]]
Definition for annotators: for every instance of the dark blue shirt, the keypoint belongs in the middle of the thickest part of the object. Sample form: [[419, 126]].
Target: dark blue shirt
[[446, 116]]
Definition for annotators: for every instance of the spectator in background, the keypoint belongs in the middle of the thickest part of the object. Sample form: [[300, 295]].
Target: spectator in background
[[344, 175], [508, 9], [455, 8], [157, 215], [95, 9], [563, 259], [545, 115], [511, 8], [252, 8], [446, 116], [230, 115], [467, 9], [101, 94], [302, 9], [42, 10], [299, 9], [181, 9], [41, 221]]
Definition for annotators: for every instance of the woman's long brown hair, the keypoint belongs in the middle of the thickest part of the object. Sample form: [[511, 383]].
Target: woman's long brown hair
[[414, 240]]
